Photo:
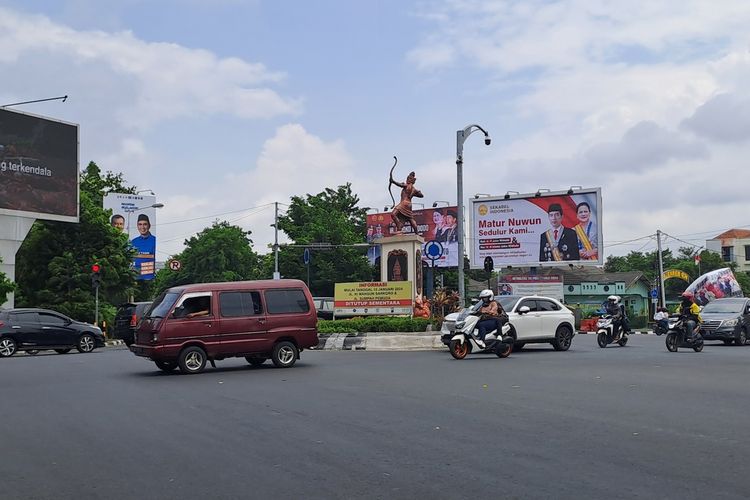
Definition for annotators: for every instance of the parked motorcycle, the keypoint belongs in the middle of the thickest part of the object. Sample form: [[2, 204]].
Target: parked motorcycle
[[677, 336], [466, 336], [607, 333]]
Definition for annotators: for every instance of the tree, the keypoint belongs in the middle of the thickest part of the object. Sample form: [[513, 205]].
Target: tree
[[6, 286], [221, 252], [53, 265], [330, 217]]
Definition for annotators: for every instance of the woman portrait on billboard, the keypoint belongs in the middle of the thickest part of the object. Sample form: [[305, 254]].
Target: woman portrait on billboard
[[588, 247]]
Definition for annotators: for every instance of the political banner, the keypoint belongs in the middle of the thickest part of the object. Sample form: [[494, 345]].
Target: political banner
[[38, 167], [433, 224], [135, 215], [547, 286], [373, 297], [716, 284], [549, 229]]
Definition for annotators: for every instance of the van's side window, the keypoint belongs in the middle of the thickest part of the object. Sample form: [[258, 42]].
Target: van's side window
[[286, 301], [236, 304]]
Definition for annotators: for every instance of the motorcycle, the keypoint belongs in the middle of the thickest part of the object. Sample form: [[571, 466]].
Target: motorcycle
[[660, 329], [677, 336], [606, 334], [465, 339]]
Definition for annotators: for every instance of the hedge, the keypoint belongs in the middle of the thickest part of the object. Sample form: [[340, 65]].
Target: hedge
[[373, 324]]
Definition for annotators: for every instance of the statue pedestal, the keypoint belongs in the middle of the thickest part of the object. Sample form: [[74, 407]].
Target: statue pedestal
[[401, 260]]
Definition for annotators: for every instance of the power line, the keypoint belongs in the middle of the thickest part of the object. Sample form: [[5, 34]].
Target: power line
[[215, 215]]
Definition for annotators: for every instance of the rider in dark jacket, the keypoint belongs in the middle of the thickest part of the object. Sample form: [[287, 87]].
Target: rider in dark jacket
[[617, 311]]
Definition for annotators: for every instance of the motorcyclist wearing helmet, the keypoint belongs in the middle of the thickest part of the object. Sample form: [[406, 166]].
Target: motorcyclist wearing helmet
[[692, 314], [615, 309], [492, 315]]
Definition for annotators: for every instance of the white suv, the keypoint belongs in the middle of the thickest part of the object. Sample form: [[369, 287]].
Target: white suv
[[533, 320]]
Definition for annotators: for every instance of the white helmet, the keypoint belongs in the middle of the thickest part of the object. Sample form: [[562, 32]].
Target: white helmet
[[614, 298], [486, 294]]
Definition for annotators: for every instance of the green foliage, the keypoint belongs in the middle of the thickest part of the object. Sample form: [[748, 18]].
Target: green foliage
[[219, 253], [332, 217], [373, 324], [6, 286], [53, 265]]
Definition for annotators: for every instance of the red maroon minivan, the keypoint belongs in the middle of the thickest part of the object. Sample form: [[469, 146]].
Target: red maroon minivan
[[189, 325]]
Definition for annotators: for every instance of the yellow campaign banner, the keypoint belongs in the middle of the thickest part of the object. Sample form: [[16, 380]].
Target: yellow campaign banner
[[676, 273], [373, 294]]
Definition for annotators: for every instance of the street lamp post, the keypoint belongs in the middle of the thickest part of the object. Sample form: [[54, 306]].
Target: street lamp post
[[461, 136]]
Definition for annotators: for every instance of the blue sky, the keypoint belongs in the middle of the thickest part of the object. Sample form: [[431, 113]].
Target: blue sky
[[226, 105]]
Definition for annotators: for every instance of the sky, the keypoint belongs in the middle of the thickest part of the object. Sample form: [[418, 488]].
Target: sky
[[223, 107]]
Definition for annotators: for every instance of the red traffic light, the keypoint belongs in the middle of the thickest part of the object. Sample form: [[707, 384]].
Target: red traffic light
[[95, 268]]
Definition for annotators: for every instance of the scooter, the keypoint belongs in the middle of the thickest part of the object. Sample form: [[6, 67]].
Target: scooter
[[605, 332], [677, 336], [466, 336]]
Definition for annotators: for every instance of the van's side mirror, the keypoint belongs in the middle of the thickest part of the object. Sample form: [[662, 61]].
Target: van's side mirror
[[523, 309]]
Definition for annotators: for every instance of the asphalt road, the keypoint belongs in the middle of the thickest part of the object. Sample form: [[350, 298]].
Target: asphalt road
[[633, 422]]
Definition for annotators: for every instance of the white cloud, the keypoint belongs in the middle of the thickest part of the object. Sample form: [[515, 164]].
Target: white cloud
[[164, 80]]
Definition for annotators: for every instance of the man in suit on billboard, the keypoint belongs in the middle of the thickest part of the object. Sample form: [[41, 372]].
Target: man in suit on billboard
[[559, 242]]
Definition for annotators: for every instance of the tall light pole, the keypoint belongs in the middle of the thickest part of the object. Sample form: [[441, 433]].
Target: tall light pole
[[461, 136]]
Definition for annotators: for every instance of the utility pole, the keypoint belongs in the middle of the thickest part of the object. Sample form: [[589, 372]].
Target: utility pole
[[663, 302], [276, 274]]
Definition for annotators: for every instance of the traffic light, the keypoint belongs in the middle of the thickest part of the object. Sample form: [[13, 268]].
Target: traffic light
[[96, 277], [489, 265]]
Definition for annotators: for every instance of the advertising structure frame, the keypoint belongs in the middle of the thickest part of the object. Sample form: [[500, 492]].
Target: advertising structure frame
[[516, 230], [129, 209], [73, 178]]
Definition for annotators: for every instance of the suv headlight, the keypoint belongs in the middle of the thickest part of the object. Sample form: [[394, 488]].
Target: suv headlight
[[730, 322]]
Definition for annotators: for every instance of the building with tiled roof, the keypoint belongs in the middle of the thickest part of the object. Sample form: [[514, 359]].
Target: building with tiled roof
[[734, 246]]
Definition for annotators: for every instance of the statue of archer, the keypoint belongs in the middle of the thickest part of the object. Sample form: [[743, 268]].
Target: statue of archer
[[402, 213]]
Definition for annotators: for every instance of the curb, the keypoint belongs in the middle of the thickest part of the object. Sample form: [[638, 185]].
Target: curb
[[379, 341], [113, 342]]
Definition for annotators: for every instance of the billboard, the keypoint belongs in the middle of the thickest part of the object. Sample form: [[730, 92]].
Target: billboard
[[433, 224], [537, 230], [715, 285], [373, 297], [548, 286], [135, 215], [38, 167]]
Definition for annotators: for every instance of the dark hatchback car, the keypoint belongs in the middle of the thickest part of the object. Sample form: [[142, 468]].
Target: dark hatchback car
[[126, 320], [727, 319], [41, 329]]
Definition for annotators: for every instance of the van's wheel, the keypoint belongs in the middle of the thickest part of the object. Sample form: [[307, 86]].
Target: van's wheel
[[563, 338], [166, 366], [741, 338], [504, 350], [284, 354], [255, 360], [86, 343], [62, 351], [7, 347], [192, 360], [459, 349]]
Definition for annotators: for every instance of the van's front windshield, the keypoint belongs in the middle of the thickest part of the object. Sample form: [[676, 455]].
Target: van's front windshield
[[162, 305]]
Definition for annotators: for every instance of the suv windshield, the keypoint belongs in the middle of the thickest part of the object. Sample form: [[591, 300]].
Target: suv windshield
[[507, 302], [162, 305], [724, 306]]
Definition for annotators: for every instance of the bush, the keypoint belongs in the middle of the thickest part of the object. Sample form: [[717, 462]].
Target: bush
[[373, 324], [638, 322]]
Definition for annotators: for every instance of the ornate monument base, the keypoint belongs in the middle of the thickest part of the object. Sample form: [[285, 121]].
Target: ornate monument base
[[401, 260]]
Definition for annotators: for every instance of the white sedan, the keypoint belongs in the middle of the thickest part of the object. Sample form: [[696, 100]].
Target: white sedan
[[533, 320]]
